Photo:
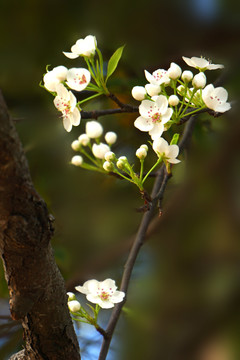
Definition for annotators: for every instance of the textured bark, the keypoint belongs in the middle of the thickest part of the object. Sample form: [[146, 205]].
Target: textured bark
[[36, 287]]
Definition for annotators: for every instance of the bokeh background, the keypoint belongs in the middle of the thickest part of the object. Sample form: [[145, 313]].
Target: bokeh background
[[184, 298]]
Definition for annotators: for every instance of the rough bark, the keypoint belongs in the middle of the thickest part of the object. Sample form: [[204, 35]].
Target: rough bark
[[36, 287]]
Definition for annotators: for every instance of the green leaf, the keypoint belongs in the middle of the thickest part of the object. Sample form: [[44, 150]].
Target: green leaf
[[113, 61], [174, 140]]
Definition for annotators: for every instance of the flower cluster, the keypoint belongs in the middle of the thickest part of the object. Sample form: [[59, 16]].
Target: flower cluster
[[159, 109]]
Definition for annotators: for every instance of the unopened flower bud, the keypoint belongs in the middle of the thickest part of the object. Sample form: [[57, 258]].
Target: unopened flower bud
[[110, 137], [121, 163], [110, 156], [71, 296], [144, 146], [187, 75], [138, 93], [199, 80], [152, 90], [173, 100], [77, 160], [75, 145], [94, 129], [84, 139], [108, 166], [99, 150], [174, 72], [141, 153], [180, 89], [74, 306]]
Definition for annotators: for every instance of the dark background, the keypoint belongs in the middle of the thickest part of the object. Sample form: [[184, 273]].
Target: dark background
[[184, 297]]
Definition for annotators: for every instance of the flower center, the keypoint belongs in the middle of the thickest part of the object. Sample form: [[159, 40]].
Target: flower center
[[216, 98], [104, 296], [80, 79], [156, 117]]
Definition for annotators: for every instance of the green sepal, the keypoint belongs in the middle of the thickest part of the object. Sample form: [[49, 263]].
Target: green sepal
[[113, 61], [174, 140]]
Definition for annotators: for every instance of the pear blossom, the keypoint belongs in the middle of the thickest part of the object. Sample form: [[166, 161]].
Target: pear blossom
[[83, 47], [144, 146], [66, 102], [110, 137], [108, 166], [77, 160], [104, 293], [166, 151], [141, 153], [152, 90], [173, 100], [74, 306], [110, 156], [75, 145], [94, 129], [154, 114], [158, 77], [187, 75], [138, 93], [201, 63], [199, 81], [71, 296], [54, 77], [216, 98], [84, 139], [78, 78], [174, 72], [99, 150]]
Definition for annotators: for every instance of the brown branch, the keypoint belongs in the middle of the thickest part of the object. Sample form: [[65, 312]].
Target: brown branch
[[37, 292]]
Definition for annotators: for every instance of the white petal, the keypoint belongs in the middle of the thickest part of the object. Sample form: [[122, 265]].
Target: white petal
[[160, 145], [76, 117], [60, 72], [88, 286], [118, 296], [188, 61], [221, 93], [215, 66], [78, 78], [162, 103], [173, 161], [167, 115], [173, 151], [200, 62], [223, 107], [62, 92], [150, 78], [70, 55], [145, 107], [143, 124], [67, 124], [156, 131], [108, 284], [93, 298]]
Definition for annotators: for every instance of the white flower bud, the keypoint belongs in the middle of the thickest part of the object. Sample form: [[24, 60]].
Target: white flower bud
[[144, 146], [180, 89], [121, 164], [74, 306], [122, 158], [77, 160], [108, 166], [75, 145], [187, 75], [173, 100], [94, 129], [199, 80], [84, 139], [174, 72], [138, 93], [141, 153], [99, 150], [110, 156], [152, 90], [71, 296], [110, 137]]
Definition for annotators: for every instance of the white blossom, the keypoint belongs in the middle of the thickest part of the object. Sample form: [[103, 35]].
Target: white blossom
[[104, 293], [75, 145], [108, 166], [71, 296], [99, 150], [141, 153], [167, 152], [138, 93], [201, 63], [154, 114], [152, 90], [173, 100], [158, 77], [78, 78], [74, 306], [94, 129], [84, 139], [66, 102], [83, 47], [144, 146], [199, 81], [110, 137], [77, 160], [187, 75], [174, 72], [216, 98], [54, 77], [110, 156]]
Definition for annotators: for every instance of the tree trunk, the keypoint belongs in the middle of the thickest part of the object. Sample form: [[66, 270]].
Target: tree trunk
[[36, 287]]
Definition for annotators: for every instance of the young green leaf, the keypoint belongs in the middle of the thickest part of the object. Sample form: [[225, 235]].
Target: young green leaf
[[113, 61], [174, 140]]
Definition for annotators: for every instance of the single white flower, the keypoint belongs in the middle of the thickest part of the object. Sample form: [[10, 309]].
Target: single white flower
[[83, 47], [199, 81], [74, 306], [84, 139], [167, 152], [99, 150], [141, 153], [174, 72], [187, 75], [201, 64], [94, 129], [54, 77], [77, 160], [154, 114], [66, 102], [173, 100], [216, 98], [110, 137], [152, 90], [138, 93], [158, 77], [104, 293], [78, 78], [75, 145]]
